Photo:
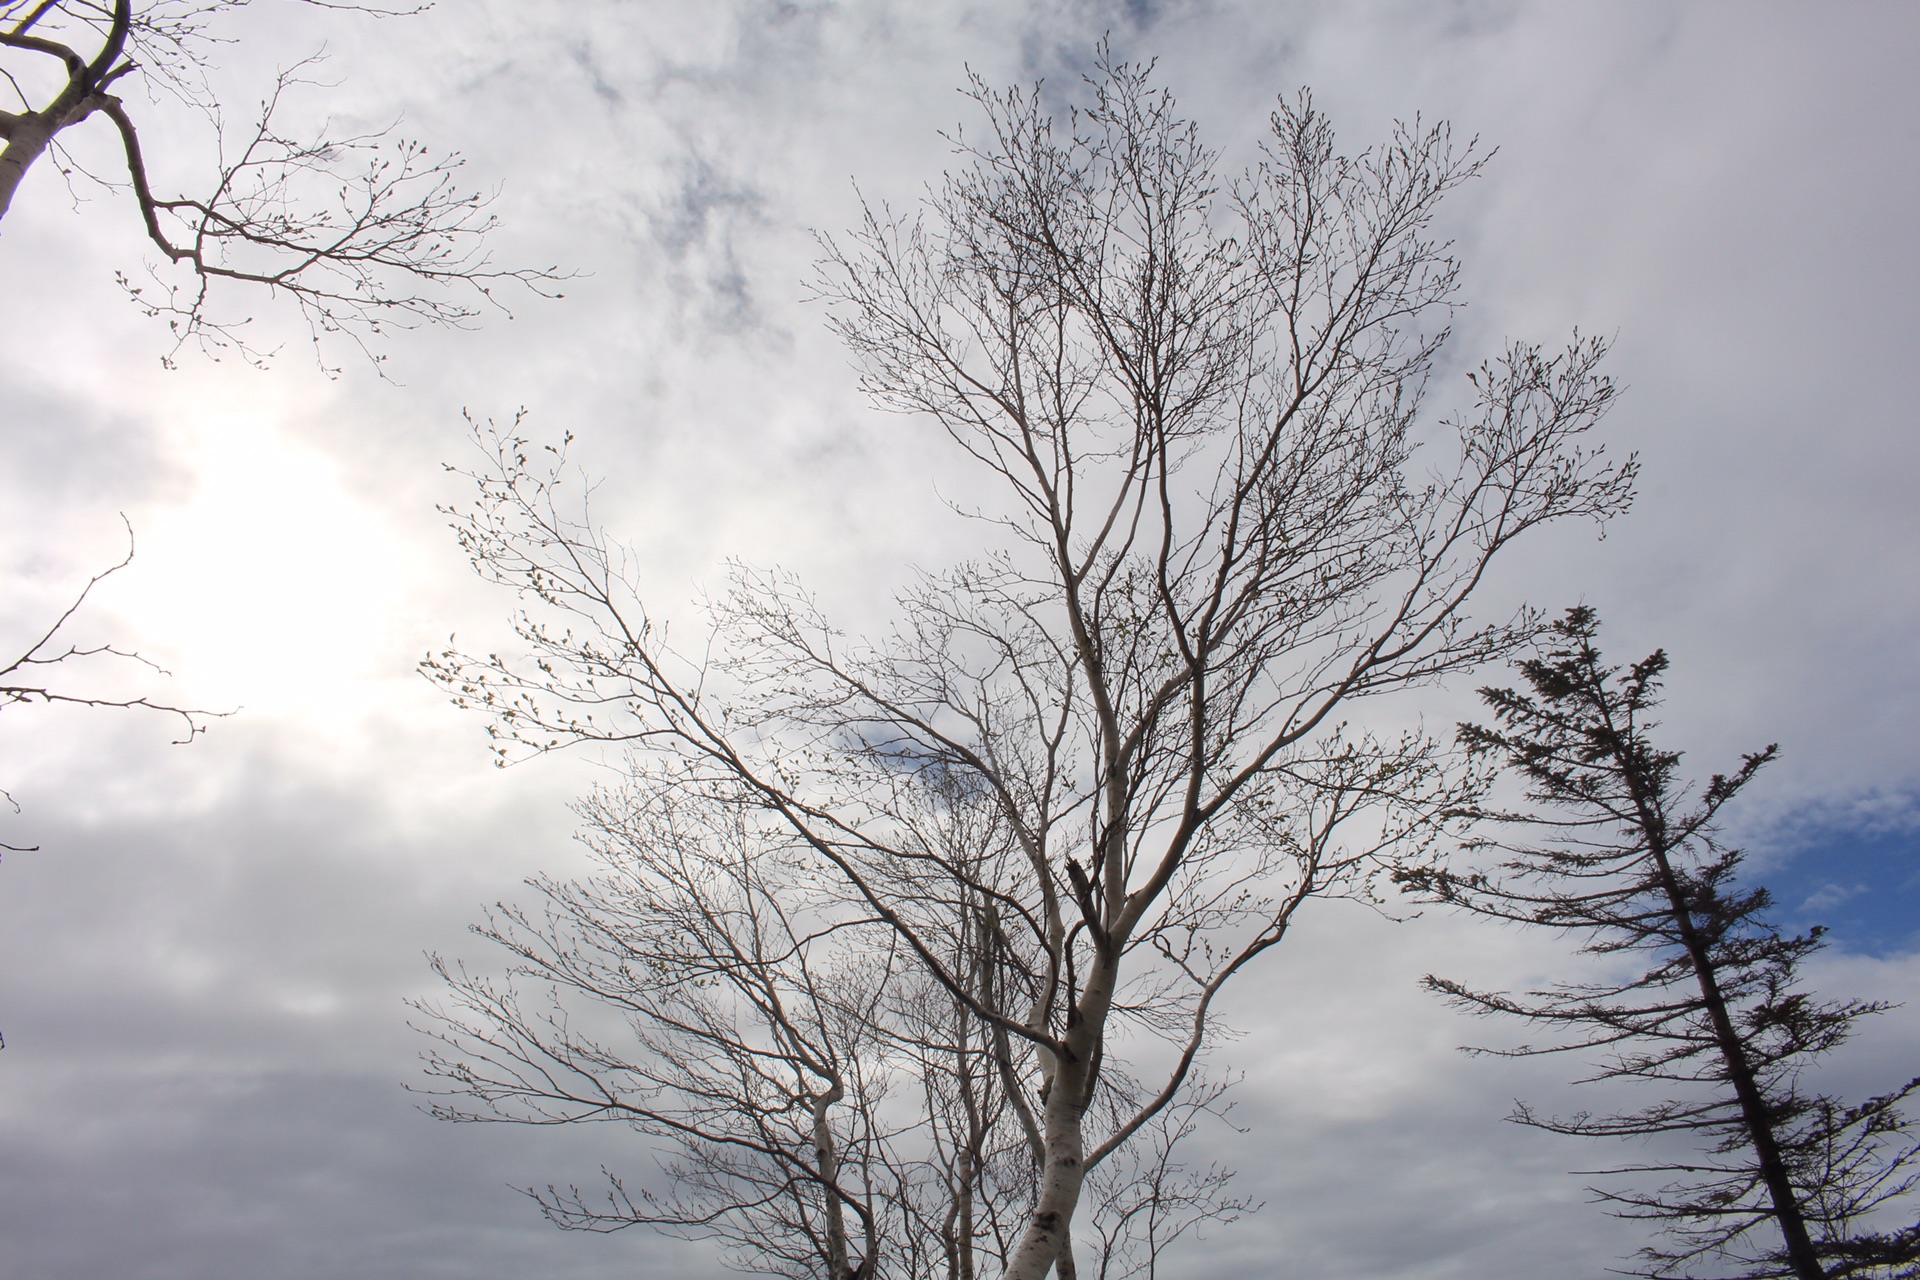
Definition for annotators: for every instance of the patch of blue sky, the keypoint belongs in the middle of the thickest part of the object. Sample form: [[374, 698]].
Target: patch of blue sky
[[1854, 869]]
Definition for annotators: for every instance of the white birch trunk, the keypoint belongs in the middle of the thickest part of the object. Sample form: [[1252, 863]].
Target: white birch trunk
[[1064, 1171], [828, 1167], [27, 141]]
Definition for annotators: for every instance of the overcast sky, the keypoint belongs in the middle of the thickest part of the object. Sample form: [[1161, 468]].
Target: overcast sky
[[202, 970]]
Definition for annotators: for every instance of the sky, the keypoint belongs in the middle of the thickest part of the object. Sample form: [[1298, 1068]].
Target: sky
[[203, 967]]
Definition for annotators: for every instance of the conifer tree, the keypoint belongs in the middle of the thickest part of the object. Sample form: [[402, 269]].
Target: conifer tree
[[1762, 1177]]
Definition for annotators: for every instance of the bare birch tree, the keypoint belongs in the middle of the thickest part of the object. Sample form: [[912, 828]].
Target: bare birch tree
[[365, 233], [745, 1041], [829, 1111], [1201, 403]]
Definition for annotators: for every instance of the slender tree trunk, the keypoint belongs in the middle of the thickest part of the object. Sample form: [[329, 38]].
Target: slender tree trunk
[[1047, 1239], [963, 1241], [1060, 1181], [1800, 1252], [828, 1167], [956, 1230], [1064, 1266], [969, 1170], [1801, 1255]]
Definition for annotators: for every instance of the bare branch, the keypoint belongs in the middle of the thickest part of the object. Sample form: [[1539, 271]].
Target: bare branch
[[366, 233], [27, 678]]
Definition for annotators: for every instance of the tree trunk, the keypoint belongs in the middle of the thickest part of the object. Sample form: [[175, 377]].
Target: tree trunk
[[1064, 1266], [956, 1234], [29, 139], [1050, 1230], [1060, 1181], [1801, 1255], [829, 1170]]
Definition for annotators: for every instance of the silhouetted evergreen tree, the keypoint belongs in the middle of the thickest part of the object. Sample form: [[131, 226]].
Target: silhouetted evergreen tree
[[1620, 850]]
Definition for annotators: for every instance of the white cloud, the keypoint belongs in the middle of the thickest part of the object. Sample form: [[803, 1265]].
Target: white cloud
[[201, 974]]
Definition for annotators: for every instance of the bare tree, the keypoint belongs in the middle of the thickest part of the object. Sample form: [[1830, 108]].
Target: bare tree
[[364, 232], [1200, 404], [828, 1110], [1774, 1180], [750, 1054]]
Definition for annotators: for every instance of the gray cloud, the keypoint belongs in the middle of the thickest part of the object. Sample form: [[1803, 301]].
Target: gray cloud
[[201, 976], [696, 228]]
